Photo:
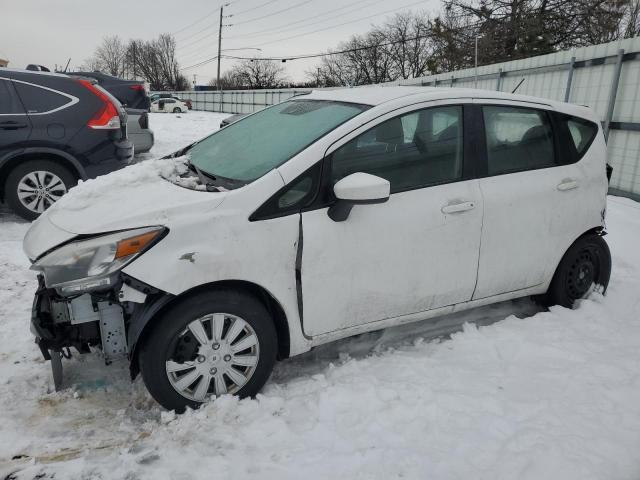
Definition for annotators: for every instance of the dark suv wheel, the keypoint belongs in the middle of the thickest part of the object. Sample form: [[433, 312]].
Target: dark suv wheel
[[585, 265], [35, 185]]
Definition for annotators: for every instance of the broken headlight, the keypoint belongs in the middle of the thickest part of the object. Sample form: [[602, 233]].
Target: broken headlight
[[88, 264]]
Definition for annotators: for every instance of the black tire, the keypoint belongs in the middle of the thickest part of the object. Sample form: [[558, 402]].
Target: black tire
[[586, 262], [177, 110], [68, 178], [160, 344]]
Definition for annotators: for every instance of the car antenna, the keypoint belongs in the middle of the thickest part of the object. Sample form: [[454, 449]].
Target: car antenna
[[518, 86], [67, 66]]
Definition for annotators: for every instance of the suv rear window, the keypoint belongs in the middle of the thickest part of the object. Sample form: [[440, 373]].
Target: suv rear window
[[39, 100]]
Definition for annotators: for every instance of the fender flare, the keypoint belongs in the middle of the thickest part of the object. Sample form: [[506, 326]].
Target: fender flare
[[48, 151]]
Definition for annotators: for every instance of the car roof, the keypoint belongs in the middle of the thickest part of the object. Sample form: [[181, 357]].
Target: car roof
[[23, 71], [378, 94]]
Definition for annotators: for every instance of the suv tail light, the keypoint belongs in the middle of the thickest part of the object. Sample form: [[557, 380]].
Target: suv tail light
[[139, 88], [107, 118]]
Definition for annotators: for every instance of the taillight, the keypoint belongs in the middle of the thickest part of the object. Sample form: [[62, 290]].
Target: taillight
[[139, 88], [107, 118]]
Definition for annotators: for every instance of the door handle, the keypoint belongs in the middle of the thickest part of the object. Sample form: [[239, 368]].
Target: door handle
[[12, 125], [458, 207], [567, 184]]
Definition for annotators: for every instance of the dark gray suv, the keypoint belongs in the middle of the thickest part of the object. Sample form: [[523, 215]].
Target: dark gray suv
[[54, 130]]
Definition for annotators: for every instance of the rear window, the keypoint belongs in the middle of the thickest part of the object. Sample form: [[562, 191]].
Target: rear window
[[582, 133], [39, 100]]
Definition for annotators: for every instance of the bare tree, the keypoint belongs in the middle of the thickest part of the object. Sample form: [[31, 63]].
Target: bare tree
[[400, 48], [411, 44], [110, 55], [630, 24], [228, 81], [257, 73], [513, 29], [154, 61]]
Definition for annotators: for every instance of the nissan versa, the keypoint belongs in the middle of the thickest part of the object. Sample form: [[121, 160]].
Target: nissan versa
[[325, 216]]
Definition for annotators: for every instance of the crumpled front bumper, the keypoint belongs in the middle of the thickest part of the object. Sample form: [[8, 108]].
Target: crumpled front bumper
[[51, 325]]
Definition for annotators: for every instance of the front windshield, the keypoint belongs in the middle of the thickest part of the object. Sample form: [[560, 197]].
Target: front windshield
[[246, 150]]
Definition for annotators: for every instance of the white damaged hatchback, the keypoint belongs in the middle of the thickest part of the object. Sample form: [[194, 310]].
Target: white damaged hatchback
[[325, 216]]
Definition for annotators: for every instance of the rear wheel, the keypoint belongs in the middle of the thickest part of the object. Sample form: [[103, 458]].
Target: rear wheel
[[585, 266], [211, 344], [35, 185]]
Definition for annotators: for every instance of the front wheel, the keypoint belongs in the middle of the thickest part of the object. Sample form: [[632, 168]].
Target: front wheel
[[211, 344], [585, 265], [177, 110]]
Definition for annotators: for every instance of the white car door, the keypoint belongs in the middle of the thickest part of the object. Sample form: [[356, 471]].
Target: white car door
[[535, 206], [417, 251]]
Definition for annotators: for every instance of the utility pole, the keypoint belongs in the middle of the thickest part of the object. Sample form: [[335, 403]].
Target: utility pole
[[135, 61], [219, 48]]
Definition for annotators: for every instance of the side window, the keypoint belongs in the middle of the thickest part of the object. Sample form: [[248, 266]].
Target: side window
[[295, 196], [39, 100], [9, 101], [517, 139], [411, 151], [582, 133]]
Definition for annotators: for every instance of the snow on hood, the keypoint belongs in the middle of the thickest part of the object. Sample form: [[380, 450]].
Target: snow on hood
[[138, 195]]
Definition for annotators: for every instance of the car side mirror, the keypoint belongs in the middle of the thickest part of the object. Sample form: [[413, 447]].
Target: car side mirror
[[357, 189]]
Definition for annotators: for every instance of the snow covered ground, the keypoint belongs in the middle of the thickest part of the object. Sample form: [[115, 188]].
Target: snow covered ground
[[527, 394]]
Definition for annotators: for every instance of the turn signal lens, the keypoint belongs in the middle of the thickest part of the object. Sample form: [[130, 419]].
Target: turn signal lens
[[130, 246]]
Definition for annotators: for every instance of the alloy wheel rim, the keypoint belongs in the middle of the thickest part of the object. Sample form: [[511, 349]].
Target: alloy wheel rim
[[38, 190], [216, 354]]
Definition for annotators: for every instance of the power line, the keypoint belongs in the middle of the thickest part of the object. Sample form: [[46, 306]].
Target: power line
[[314, 20], [195, 33], [274, 13], [304, 20], [190, 44], [328, 54], [214, 11], [254, 8], [340, 24], [208, 60], [312, 55]]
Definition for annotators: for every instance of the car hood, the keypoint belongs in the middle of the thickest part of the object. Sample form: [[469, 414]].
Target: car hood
[[137, 196]]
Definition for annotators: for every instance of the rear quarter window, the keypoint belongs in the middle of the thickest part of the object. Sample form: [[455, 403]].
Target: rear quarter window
[[40, 100], [582, 133]]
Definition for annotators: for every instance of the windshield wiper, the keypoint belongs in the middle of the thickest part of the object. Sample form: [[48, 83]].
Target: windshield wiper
[[220, 182], [205, 178]]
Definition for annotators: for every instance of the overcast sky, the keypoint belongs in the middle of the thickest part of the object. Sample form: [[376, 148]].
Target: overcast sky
[[48, 32]]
